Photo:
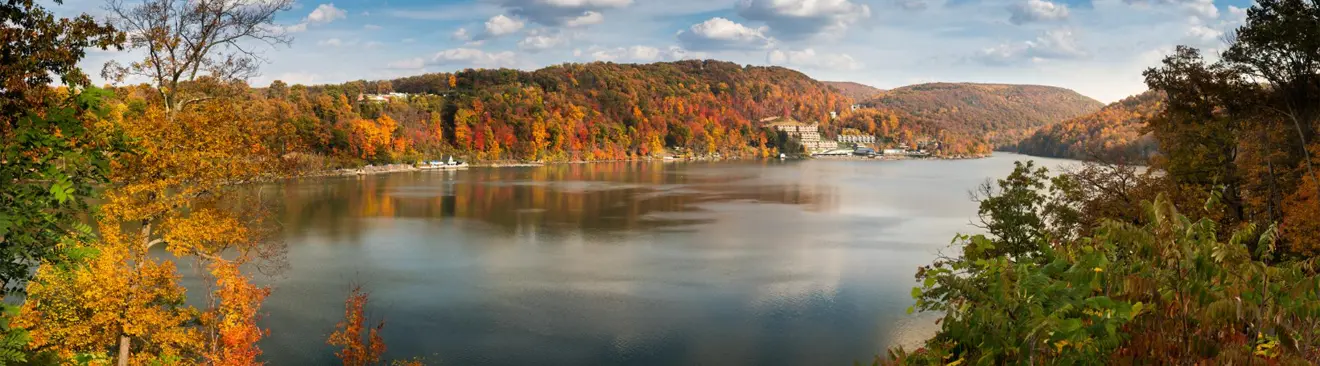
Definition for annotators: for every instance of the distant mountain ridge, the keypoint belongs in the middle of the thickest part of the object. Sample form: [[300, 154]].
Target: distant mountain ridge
[[1113, 133], [856, 91], [1003, 113]]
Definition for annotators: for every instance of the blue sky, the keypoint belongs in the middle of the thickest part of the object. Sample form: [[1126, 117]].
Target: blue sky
[[1098, 47]]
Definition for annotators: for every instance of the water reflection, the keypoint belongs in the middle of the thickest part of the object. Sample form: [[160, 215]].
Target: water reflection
[[585, 198], [633, 263]]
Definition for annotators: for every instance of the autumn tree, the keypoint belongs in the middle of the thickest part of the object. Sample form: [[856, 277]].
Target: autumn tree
[[190, 149], [1278, 46], [52, 155], [187, 39], [360, 344], [1200, 126], [171, 191]]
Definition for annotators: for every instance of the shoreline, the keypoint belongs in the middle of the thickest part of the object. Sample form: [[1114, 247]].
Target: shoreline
[[899, 158], [400, 167]]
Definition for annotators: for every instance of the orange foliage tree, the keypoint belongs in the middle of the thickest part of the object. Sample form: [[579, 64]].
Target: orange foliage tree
[[359, 344], [374, 140]]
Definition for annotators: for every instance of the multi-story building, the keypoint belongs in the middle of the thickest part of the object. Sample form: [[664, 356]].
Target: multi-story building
[[806, 134]]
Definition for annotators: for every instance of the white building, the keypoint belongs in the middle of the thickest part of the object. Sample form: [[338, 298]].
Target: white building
[[857, 139], [806, 134]]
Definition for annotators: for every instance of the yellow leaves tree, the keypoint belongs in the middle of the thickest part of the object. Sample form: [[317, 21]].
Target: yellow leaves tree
[[121, 295], [539, 140], [374, 139], [168, 192], [463, 121]]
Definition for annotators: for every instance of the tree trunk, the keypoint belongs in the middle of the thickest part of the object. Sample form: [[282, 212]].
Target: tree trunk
[[123, 350], [124, 341]]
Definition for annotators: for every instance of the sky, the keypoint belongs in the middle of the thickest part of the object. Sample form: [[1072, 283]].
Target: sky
[[1096, 47]]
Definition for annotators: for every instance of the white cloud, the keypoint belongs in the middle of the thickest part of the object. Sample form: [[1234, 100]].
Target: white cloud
[[1236, 14], [634, 53], [808, 58], [333, 42], [639, 54], [495, 27], [570, 13], [500, 25], [326, 13], [541, 39], [587, 18], [1204, 9], [1055, 44], [801, 19], [323, 14], [1206, 31], [461, 35], [474, 57], [1029, 11], [1203, 34], [720, 33]]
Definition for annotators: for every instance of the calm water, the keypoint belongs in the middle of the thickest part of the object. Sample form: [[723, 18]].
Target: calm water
[[756, 263]]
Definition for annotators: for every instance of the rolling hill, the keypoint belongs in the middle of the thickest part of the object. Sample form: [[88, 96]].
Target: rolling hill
[[858, 92], [1003, 113], [1113, 133]]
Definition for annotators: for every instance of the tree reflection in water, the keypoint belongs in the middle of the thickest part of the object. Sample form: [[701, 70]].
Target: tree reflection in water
[[587, 199]]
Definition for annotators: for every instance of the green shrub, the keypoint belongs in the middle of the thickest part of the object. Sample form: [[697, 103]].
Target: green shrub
[[1168, 291]]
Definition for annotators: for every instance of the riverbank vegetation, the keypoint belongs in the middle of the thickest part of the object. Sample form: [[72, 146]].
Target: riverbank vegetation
[[1207, 257]]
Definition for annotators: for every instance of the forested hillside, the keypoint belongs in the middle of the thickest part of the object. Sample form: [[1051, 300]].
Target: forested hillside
[[1113, 133], [595, 111], [1002, 113], [570, 112], [856, 91]]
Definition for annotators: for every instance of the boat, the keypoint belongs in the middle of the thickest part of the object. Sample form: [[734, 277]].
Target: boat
[[447, 164]]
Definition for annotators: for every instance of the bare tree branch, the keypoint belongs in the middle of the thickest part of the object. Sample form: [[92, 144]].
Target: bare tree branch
[[186, 40]]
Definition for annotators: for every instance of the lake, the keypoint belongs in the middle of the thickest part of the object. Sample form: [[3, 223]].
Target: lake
[[720, 263]]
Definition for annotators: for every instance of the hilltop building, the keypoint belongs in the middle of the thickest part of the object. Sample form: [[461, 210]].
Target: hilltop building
[[381, 97], [806, 134]]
